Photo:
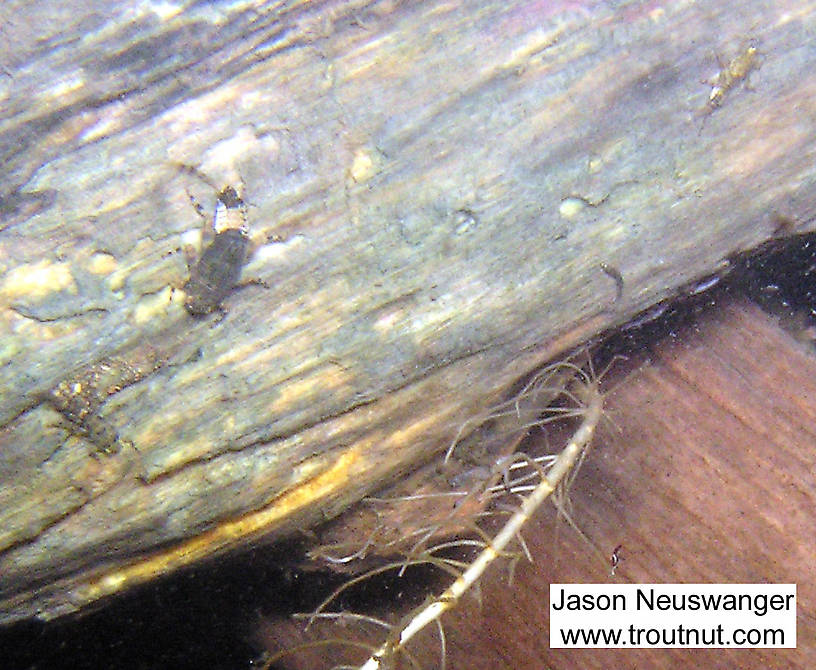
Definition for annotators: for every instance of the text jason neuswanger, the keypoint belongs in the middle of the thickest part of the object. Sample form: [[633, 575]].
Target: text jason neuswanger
[[647, 600]]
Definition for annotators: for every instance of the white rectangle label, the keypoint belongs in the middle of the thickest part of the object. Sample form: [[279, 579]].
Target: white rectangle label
[[672, 615]]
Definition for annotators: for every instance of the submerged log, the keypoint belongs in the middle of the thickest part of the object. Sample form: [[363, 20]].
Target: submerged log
[[443, 197]]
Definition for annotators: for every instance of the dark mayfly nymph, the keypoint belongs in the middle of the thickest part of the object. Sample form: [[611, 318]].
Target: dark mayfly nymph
[[218, 270]]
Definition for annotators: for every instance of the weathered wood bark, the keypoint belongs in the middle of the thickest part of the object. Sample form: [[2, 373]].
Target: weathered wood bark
[[435, 186]]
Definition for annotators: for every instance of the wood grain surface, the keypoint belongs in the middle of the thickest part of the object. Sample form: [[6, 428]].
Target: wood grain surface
[[442, 195]]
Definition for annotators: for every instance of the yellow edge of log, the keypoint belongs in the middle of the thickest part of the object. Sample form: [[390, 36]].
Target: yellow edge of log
[[222, 535]]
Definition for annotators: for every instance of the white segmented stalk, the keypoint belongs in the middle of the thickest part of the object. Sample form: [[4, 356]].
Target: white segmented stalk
[[554, 476]]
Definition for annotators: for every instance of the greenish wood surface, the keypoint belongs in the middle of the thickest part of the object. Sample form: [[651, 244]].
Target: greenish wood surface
[[433, 188]]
